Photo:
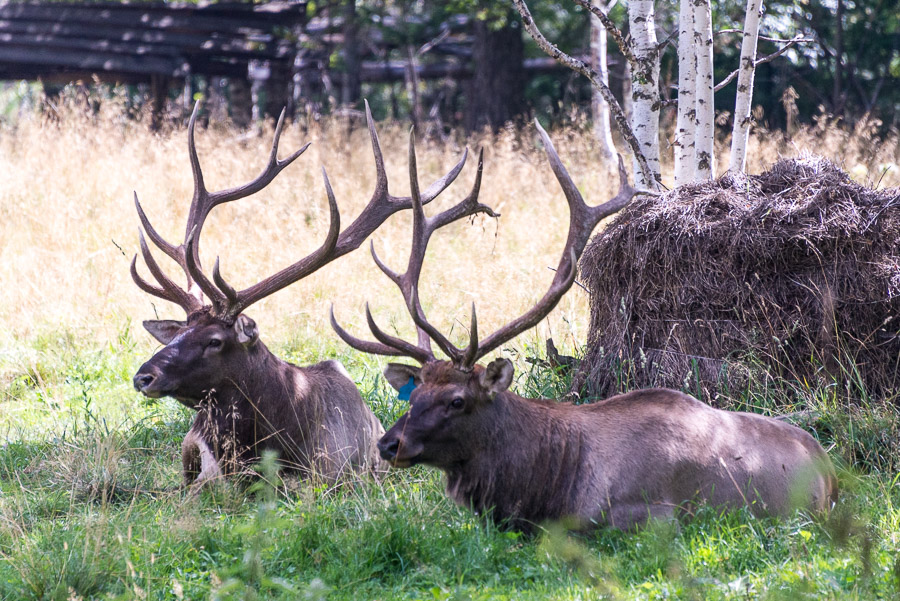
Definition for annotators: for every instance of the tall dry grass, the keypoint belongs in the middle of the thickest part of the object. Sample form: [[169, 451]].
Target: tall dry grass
[[68, 228]]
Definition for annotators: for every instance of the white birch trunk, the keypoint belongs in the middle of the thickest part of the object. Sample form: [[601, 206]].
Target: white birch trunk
[[599, 106], [705, 109], [685, 123], [742, 104], [645, 87]]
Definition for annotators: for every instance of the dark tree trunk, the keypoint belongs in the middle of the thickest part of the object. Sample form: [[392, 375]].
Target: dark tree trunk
[[351, 88], [278, 91], [496, 92], [159, 91], [837, 95], [241, 102]]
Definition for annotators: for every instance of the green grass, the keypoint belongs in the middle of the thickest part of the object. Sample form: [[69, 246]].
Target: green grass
[[91, 507]]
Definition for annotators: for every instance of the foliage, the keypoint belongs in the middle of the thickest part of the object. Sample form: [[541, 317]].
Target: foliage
[[868, 32], [138, 535]]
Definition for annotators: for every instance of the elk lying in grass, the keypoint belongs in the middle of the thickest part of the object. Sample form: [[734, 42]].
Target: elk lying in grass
[[247, 399], [616, 462]]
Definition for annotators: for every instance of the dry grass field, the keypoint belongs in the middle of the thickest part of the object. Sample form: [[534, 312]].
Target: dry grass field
[[90, 498], [68, 228]]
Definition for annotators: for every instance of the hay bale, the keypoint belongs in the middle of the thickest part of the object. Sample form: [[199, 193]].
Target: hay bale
[[793, 274]]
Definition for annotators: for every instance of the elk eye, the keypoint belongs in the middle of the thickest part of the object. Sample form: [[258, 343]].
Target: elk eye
[[214, 343], [457, 403]]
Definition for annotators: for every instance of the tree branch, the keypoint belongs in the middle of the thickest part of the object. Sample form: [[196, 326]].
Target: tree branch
[[625, 46], [768, 39], [594, 77], [662, 45], [763, 60], [782, 50]]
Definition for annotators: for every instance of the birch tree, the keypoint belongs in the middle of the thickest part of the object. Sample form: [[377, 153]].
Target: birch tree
[[643, 172], [685, 123], [645, 84], [705, 109], [740, 132], [694, 150], [599, 106]]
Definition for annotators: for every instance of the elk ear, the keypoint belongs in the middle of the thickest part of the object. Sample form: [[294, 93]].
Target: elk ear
[[246, 330], [164, 330], [497, 376], [398, 375]]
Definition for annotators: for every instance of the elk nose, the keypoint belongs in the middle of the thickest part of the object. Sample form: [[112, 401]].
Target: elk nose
[[388, 449], [142, 381]]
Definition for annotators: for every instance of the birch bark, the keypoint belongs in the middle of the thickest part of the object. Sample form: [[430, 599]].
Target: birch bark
[[705, 119], [578, 66], [685, 123], [645, 86], [740, 132], [599, 106]]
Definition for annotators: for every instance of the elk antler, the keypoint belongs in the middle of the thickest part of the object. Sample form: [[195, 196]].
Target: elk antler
[[582, 221], [226, 301], [408, 282]]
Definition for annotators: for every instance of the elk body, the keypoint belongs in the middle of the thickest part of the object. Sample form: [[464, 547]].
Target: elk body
[[616, 462], [248, 400]]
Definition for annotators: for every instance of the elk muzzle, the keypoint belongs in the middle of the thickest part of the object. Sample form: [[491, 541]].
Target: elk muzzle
[[147, 382], [397, 449]]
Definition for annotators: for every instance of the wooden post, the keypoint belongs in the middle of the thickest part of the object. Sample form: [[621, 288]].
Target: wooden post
[[159, 91]]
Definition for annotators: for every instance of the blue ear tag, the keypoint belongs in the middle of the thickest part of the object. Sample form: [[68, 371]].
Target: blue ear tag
[[406, 390]]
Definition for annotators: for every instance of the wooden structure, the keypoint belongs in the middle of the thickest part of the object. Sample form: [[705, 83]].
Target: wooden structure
[[270, 55], [151, 42]]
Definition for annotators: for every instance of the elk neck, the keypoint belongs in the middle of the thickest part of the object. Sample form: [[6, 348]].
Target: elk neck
[[263, 375], [529, 457]]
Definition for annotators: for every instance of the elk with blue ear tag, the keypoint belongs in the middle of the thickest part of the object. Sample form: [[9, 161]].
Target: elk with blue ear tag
[[647, 454]]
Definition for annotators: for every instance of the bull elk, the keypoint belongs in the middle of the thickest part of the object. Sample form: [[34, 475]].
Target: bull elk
[[248, 400], [616, 462]]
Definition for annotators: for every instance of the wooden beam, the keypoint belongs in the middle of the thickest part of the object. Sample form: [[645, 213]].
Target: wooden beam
[[238, 18], [110, 39]]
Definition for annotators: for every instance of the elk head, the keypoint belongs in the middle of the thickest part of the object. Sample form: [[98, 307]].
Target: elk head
[[217, 340], [447, 422]]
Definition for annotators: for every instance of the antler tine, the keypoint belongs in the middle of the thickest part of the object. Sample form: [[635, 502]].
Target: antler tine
[[147, 287], [424, 341], [582, 221], [176, 253], [192, 265], [470, 356], [469, 205], [199, 185], [382, 203], [230, 293], [376, 348], [181, 297], [381, 181], [565, 277], [299, 270], [406, 348], [583, 218], [392, 275]]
